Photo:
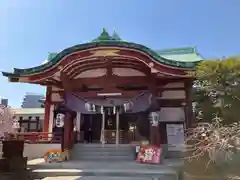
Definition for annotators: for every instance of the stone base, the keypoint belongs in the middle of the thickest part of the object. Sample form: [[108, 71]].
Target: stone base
[[13, 164], [166, 153]]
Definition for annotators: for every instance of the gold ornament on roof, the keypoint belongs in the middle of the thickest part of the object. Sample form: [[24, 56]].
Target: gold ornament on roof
[[190, 73], [105, 53], [23, 79]]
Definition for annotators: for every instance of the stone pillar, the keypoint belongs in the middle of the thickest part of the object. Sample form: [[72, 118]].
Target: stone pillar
[[117, 126], [103, 127]]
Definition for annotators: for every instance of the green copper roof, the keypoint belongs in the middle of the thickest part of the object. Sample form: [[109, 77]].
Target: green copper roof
[[186, 58], [51, 56], [186, 54]]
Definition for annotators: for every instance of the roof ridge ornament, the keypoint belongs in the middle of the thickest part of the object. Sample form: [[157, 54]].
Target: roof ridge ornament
[[104, 36], [115, 36]]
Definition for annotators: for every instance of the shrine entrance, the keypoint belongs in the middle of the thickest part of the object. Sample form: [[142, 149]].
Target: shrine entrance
[[126, 131], [92, 121]]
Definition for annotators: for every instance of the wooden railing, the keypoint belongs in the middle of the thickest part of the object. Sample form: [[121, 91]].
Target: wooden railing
[[38, 137]]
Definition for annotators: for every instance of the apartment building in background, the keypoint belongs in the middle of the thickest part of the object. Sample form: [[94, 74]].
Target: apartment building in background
[[32, 100]]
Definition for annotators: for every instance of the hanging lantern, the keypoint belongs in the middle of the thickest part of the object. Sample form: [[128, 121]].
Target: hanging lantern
[[87, 106], [60, 120], [154, 118], [16, 124], [101, 110], [93, 108], [114, 109], [125, 107]]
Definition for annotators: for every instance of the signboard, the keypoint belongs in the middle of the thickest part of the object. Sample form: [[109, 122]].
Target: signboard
[[175, 137], [149, 155], [56, 155], [144, 143]]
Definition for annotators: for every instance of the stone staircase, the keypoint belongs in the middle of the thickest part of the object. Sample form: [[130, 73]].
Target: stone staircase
[[108, 162], [99, 152], [104, 170]]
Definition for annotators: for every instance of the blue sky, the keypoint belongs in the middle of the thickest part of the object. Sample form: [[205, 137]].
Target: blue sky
[[31, 29]]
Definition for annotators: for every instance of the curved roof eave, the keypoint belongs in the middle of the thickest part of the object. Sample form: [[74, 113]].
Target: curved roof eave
[[105, 43]]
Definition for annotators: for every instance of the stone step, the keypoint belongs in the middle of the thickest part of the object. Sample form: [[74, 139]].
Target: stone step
[[125, 170], [86, 176], [106, 175], [102, 152], [98, 152], [98, 178], [104, 148], [104, 158], [105, 145]]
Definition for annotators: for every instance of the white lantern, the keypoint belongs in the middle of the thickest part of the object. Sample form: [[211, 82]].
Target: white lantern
[[102, 110], [16, 124], [125, 107], [87, 106], [93, 108], [60, 120], [154, 118], [114, 109]]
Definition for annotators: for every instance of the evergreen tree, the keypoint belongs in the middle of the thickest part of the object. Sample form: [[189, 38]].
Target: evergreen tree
[[217, 90]]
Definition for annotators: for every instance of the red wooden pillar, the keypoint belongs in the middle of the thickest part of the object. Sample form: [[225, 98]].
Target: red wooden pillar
[[47, 106], [68, 129], [154, 133], [154, 129], [72, 132]]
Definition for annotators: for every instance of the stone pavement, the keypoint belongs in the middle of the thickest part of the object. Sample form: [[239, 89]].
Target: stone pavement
[[92, 178], [90, 170]]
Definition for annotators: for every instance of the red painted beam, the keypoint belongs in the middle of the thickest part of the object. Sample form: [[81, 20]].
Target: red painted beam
[[100, 94]]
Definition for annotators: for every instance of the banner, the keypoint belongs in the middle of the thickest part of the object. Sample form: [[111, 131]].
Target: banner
[[149, 155], [139, 103], [56, 155]]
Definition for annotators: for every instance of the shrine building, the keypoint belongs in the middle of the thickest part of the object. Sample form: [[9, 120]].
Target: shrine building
[[124, 91]]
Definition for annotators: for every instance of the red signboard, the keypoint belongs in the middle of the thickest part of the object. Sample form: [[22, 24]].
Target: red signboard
[[149, 155]]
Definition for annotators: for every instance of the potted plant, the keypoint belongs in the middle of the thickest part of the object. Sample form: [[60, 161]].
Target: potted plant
[[12, 147]]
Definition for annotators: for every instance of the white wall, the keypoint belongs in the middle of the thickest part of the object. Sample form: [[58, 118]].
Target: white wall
[[174, 94], [174, 85], [26, 116], [170, 114], [33, 151]]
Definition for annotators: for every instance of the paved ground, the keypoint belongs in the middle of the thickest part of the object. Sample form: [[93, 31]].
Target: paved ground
[[92, 178], [76, 170]]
